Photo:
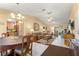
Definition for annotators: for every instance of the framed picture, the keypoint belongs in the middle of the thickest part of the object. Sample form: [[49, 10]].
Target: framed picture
[[36, 26]]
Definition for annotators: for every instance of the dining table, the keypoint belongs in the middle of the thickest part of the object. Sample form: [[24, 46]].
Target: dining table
[[54, 50], [10, 43]]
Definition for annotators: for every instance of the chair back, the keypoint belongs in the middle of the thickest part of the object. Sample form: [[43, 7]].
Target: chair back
[[25, 45]]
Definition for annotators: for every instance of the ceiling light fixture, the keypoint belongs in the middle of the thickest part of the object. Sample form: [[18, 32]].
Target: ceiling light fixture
[[50, 18], [18, 15], [43, 9], [12, 15], [49, 13]]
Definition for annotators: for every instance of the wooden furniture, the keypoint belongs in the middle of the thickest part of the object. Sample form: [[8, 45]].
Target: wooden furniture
[[6, 44], [11, 28], [47, 37], [37, 35], [26, 47], [74, 44], [15, 27], [53, 50]]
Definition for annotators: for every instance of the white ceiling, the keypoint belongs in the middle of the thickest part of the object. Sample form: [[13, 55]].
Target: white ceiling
[[60, 11]]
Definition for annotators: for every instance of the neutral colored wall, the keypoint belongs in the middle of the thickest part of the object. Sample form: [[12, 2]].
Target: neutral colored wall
[[73, 11], [73, 17], [28, 22], [3, 18], [77, 24]]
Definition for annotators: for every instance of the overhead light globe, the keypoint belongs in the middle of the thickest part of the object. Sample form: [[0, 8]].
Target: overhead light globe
[[12, 15], [31, 30], [22, 17], [19, 15]]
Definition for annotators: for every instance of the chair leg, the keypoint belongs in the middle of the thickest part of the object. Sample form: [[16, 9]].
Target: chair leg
[[12, 52], [1, 53], [6, 53], [31, 48]]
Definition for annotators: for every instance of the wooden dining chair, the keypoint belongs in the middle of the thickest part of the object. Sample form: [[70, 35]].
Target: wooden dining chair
[[26, 47]]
